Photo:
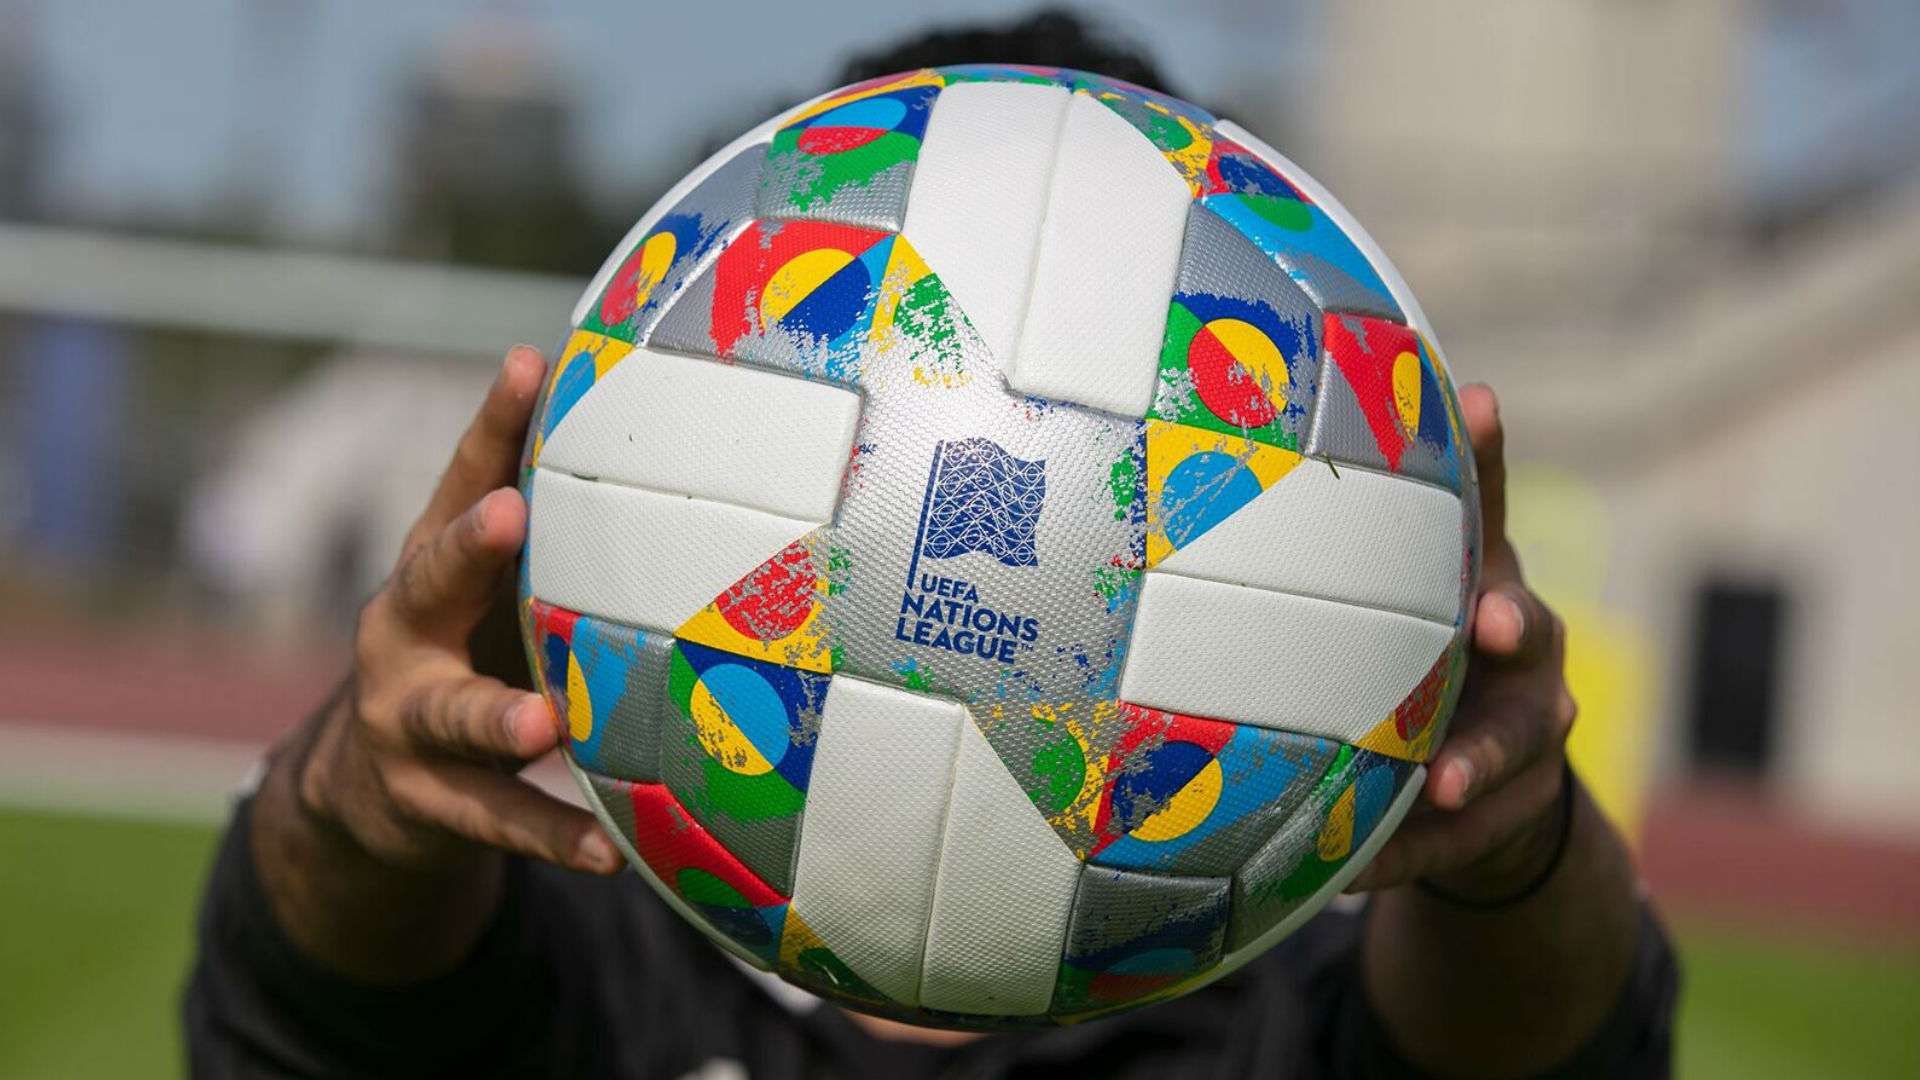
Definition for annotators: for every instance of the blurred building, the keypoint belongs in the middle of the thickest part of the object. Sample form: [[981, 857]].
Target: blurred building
[[1720, 352], [22, 125], [307, 510], [314, 495], [1547, 173], [1767, 520], [486, 156]]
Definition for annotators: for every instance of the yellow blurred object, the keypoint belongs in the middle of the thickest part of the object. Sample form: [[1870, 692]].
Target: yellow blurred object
[[1563, 532], [1608, 670]]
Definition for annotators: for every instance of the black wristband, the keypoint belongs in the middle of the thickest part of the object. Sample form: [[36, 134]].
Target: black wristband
[[1539, 881]]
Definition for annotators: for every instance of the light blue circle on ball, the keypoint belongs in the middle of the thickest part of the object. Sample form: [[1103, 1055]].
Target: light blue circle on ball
[[873, 112], [753, 706], [1201, 491]]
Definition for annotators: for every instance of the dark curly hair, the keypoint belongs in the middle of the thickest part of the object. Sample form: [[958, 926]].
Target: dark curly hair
[[1052, 37]]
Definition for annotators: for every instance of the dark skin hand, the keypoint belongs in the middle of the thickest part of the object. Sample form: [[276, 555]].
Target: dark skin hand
[[381, 831], [1511, 991]]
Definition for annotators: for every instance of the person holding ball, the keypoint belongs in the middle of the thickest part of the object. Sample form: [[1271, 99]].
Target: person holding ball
[[393, 899]]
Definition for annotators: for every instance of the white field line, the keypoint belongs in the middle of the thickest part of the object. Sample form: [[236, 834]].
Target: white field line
[[148, 776], [122, 774]]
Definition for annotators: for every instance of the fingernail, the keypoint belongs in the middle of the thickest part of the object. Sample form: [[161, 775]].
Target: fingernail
[[526, 720], [513, 724], [506, 362], [1499, 602], [596, 853], [1518, 614], [1464, 770]]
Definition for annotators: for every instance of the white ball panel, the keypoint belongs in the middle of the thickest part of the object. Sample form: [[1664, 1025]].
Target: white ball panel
[[1003, 897], [870, 835], [1273, 659], [979, 196], [685, 425], [1358, 537], [1109, 250], [640, 557]]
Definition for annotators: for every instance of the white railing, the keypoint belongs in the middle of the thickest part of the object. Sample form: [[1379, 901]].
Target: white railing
[[279, 293]]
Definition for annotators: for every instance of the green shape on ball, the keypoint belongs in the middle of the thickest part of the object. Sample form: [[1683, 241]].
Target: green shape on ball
[[699, 886], [1062, 770], [1123, 480], [746, 798], [1167, 133], [1290, 214], [925, 313], [1073, 988], [813, 179], [1313, 871]]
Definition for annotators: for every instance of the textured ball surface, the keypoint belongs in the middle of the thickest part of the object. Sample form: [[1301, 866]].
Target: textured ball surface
[[1000, 546]]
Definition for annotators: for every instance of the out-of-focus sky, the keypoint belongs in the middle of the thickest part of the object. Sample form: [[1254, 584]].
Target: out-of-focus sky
[[1833, 89], [154, 104], [161, 111]]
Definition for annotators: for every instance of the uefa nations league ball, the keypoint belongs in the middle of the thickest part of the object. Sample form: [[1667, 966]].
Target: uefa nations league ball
[[1001, 546]]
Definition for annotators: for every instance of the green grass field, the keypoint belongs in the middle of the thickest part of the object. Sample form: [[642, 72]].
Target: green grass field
[[1761, 1007], [99, 916]]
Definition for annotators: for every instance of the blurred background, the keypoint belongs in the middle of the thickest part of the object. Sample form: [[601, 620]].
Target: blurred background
[[258, 259]]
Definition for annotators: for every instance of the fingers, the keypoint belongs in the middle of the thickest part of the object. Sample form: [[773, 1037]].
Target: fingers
[[489, 450], [443, 588], [1481, 411], [1432, 844], [478, 718], [1513, 625], [1500, 764], [1502, 737], [503, 811]]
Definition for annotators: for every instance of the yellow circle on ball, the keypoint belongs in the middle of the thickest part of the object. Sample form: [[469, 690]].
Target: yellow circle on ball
[[721, 738], [1188, 807]]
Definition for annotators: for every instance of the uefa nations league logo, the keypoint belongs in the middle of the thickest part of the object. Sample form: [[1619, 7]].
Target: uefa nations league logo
[[979, 498]]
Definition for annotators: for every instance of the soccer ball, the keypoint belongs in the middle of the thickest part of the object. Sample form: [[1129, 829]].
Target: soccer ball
[[1001, 545]]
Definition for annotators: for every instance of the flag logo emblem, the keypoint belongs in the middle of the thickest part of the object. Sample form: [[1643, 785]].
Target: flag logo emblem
[[981, 498]]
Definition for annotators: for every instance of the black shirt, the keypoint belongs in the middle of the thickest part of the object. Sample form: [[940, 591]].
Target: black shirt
[[589, 977]]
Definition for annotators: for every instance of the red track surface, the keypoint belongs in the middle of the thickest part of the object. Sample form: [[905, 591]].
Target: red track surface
[[1728, 851], [190, 685]]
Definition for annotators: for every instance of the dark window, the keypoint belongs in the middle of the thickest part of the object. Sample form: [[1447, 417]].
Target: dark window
[[1737, 644]]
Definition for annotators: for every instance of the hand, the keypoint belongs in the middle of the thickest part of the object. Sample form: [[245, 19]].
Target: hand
[[417, 766], [1487, 823]]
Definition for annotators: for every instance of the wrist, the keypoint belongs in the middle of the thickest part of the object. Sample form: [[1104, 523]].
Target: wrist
[[351, 885], [302, 762], [335, 796], [340, 798]]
